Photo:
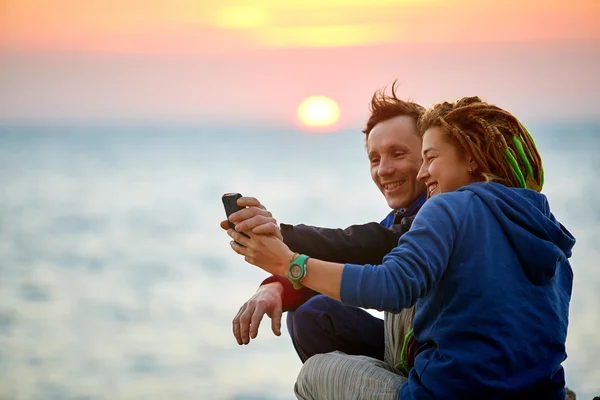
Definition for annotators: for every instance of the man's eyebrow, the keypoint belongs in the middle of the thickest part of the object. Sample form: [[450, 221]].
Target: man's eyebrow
[[399, 146]]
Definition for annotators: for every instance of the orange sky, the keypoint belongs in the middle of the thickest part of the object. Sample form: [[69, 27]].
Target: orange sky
[[256, 60], [228, 25]]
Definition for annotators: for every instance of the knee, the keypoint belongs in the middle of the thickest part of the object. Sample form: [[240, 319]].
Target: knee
[[306, 318], [316, 306], [308, 381]]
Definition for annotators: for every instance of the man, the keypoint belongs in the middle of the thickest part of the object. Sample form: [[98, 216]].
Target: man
[[318, 324]]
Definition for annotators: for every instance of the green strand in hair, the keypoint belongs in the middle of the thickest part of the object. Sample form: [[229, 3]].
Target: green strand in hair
[[529, 180], [522, 154], [515, 167], [530, 157], [535, 146]]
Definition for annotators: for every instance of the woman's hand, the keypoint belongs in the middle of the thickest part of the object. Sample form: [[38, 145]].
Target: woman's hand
[[265, 251]]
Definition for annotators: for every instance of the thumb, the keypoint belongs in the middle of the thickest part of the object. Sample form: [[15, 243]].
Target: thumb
[[276, 319], [224, 224]]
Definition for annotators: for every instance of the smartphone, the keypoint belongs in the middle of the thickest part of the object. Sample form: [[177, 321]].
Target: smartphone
[[231, 206]]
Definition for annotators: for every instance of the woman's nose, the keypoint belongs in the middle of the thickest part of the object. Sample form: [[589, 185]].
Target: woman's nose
[[423, 173]]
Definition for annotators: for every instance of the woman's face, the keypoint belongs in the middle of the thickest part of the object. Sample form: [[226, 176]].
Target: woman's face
[[445, 168]]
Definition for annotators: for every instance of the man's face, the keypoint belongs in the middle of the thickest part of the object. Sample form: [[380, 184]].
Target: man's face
[[394, 149]]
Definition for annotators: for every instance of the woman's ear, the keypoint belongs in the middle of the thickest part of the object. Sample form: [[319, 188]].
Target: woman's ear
[[473, 164], [470, 160]]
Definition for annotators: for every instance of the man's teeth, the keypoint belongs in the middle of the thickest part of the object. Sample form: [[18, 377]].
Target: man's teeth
[[392, 186]]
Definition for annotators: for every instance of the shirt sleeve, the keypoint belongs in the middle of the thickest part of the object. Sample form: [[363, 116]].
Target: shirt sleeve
[[291, 298], [414, 267], [358, 244]]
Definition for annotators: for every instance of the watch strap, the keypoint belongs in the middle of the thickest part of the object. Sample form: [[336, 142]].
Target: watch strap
[[299, 261]]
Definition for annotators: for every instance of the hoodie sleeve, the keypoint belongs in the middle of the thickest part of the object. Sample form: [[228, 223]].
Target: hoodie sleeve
[[415, 266]]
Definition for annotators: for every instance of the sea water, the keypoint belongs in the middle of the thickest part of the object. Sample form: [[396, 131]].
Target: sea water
[[116, 281]]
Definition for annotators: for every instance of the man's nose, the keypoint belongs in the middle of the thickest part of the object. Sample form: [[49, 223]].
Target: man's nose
[[385, 168]]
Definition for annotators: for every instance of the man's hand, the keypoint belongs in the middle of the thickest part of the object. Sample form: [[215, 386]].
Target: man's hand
[[254, 218], [266, 300]]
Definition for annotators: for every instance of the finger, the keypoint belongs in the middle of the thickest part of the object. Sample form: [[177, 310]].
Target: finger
[[257, 317], [247, 201], [247, 213], [236, 324], [224, 224], [276, 319], [269, 228], [241, 250], [245, 325], [256, 221], [239, 237]]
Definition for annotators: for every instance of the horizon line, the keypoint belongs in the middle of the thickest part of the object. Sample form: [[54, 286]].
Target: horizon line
[[8, 49]]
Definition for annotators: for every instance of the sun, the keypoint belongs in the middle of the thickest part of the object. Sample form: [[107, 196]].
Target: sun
[[318, 112]]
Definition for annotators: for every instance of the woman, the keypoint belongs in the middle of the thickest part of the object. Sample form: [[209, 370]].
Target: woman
[[485, 262]]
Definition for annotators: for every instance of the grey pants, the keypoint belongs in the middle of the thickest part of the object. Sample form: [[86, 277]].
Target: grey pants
[[341, 376]]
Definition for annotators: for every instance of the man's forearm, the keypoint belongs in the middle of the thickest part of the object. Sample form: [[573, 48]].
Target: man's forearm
[[290, 297], [357, 244], [276, 286]]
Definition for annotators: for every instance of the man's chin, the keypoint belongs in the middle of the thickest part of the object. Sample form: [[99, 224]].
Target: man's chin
[[395, 203]]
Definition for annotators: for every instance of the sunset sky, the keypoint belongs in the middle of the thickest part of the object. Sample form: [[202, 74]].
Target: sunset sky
[[257, 60]]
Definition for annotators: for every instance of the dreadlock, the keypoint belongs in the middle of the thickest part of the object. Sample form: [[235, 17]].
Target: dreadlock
[[501, 146]]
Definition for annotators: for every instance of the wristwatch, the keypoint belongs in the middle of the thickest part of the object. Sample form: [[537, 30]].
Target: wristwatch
[[297, 270]]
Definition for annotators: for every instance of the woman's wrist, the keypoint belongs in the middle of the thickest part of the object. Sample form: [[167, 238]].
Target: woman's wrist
[[290, 256]]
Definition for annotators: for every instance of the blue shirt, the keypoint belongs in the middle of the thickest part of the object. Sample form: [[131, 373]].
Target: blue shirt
[[396, 215], [488, 269]]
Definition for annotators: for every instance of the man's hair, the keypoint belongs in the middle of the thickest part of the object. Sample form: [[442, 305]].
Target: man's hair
[[501, 146], [384, 107]]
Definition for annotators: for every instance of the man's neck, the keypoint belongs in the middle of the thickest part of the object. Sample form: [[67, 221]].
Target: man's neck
[[412, 209]]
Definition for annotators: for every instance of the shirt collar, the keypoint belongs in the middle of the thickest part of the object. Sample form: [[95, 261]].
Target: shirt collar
[[412, 209]]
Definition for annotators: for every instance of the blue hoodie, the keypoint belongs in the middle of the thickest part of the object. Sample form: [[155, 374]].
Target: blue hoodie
[[488, 269]]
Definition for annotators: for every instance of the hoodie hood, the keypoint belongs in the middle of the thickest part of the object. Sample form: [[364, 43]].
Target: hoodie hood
[[540, 241]]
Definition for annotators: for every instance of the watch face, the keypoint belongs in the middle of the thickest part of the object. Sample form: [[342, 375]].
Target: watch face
[[295, 271]]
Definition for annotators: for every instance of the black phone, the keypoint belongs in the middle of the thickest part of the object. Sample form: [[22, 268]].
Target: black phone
[[231, 206]]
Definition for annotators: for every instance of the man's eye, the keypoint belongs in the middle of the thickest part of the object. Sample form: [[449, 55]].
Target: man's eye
[[399, 154], [374, 160]]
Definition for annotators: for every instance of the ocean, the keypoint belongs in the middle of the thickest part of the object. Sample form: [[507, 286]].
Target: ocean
[[116, 281]]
